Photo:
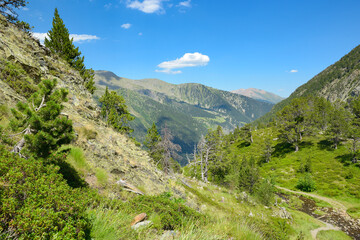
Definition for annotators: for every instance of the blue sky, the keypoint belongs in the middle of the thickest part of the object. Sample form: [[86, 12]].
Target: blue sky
[[228, 44]]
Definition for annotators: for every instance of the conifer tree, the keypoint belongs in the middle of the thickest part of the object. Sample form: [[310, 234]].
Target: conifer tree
[[294, 121], [152, 141], [115, 112], [40, 123], [59, 42], [338, 123]]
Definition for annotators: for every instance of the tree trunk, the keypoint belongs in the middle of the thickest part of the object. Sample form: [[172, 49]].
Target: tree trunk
[[296, 147]]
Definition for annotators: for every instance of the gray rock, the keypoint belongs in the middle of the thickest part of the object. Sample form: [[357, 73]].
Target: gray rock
[[141, 225]]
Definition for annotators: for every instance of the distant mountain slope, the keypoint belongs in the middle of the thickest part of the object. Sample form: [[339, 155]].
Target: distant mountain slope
[[189, 110], [259, 94], [338, 81]]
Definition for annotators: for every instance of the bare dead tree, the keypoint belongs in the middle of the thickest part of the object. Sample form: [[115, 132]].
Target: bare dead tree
[[170, 149]]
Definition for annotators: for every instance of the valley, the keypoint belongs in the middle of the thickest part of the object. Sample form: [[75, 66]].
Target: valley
[[88, 154]]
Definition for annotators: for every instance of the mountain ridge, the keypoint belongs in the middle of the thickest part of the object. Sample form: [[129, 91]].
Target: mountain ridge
[[259, 94]]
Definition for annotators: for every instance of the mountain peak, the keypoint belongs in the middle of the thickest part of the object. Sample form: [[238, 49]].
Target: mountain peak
[[259, 94]]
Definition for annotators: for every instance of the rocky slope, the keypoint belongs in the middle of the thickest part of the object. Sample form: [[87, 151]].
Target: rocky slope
[[259, 94], [189, 110], [103, 148]]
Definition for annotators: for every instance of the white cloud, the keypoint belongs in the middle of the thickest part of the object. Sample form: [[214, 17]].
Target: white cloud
[[294, 71], [24, 9], [188, 60], [76, 37], [126, 25], [185, 4], [83, 37], [147, 6]]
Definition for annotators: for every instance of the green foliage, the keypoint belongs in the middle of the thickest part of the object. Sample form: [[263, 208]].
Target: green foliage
[[248, 175], [36, 203], [101, 176], [306, 183], [59, 42], [152, 141], [266, 192], [39, 120], [305, 166], [17, 78], [115, 112], [171, 214]]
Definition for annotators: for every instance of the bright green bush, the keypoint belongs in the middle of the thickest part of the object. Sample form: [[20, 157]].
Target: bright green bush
[[306, 183], [36, 202]]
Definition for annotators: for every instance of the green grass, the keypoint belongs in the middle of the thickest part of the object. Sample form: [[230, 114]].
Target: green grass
[[332, 172], [332, 235], [101, 176], [77, 159]]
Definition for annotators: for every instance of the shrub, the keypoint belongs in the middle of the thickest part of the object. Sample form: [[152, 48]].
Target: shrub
[[305, 166], [306, 183], [36, 202], [266, 192], [17, 78], [169, 215]]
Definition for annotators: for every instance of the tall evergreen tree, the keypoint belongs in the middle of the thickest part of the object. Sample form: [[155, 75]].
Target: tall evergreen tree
[[152, 141], [40, 123], [59, 42], [115, 112]]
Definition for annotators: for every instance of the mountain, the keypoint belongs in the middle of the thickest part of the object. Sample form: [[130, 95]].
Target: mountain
[[339, 81], [259, 94], [189, 110]]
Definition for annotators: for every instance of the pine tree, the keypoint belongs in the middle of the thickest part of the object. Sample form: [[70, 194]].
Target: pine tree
[[40, 123], [248, 175], [152, 141], [338, 123], [294, 121], [114, 111], [59, 42]]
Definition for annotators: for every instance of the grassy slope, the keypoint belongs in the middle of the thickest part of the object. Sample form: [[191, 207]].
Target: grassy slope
[[334, 176]]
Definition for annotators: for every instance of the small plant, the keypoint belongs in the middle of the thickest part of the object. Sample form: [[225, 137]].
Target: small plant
[[89, 133], [306, 183], [101, 176]]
